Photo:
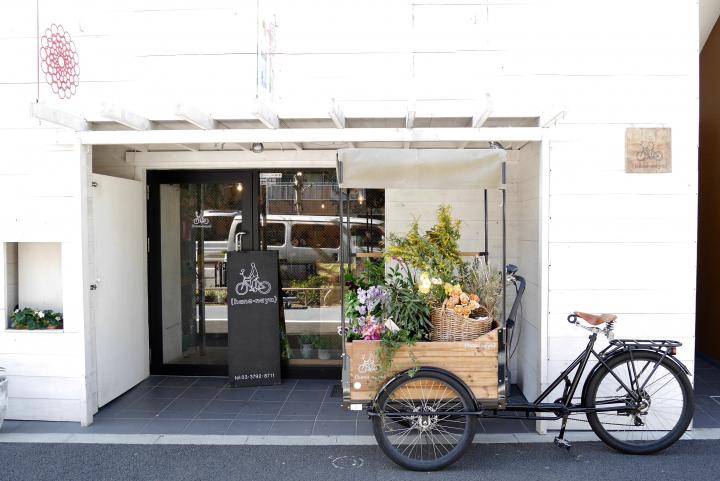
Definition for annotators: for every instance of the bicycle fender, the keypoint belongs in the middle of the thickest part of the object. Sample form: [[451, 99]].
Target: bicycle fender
[[622, 350], [428, 369]]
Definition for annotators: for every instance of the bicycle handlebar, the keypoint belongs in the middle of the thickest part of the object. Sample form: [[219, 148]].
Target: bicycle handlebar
[[519, 282]]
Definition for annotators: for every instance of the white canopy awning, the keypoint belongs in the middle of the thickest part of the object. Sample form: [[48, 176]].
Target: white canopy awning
[[421, 169]]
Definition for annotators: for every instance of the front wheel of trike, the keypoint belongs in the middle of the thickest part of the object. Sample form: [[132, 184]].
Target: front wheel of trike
[[424, 441]]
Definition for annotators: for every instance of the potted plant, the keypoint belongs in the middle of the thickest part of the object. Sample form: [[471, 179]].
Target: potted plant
[[32, 319], [3, 395], [323, 345], [306, 346]]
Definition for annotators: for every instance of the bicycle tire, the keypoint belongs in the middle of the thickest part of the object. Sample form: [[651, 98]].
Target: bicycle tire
[[651, 446], [263, 287], [465, 425]]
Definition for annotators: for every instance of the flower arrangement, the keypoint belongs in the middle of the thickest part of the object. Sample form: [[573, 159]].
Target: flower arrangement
[[31, 319], [397, 304], [468, 288]]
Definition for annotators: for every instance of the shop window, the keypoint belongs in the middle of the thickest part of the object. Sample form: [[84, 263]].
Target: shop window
[[274, 234], [32, 277], [315, 236]]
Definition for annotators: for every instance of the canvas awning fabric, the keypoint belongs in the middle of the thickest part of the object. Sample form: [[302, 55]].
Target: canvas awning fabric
[[420, 168]]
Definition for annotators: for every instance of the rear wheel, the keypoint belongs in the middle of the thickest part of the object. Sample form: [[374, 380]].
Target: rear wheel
[[424, 442], [653, 398]]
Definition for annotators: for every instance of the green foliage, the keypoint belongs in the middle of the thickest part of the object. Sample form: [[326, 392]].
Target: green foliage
[[314, 281], [323, 342], [28, 318], [306, 339], [436, 252], [373, 274], [407, 307], [351, 304], [384, 355]]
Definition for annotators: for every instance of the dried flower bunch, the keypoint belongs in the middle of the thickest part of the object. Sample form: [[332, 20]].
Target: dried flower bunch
[[461, 302]]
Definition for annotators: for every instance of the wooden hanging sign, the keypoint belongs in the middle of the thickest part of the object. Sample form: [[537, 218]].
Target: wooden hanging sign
[[648, 150]]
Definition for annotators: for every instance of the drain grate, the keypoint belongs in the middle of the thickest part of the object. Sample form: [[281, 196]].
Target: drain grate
[[336, 391]]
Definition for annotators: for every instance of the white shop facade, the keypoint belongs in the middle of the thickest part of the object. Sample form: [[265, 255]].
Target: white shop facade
[[103, 199]]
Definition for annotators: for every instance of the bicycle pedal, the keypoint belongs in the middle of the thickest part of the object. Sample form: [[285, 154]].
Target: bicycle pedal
[[561, 443]]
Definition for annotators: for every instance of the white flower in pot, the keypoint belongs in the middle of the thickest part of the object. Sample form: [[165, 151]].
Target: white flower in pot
[[306, 346]]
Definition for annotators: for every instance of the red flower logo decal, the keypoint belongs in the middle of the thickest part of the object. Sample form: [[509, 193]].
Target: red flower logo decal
[[59, 61]]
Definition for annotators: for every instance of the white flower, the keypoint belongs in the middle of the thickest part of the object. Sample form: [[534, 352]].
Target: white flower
[[424, 283], [17, 310], [391, 326], [40, 314], [436, 281], [57, 318]]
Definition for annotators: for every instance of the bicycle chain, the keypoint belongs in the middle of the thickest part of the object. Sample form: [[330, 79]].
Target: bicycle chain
[[586, 421]]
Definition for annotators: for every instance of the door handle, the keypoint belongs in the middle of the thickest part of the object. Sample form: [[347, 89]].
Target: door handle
[[238, 240]]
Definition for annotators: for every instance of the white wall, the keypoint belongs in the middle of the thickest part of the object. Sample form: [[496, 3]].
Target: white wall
[[47, 369], [9, 265], [616, 242], [40, 275], [524, 186]]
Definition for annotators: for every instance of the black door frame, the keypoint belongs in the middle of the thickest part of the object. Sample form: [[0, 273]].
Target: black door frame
[[154, 179]]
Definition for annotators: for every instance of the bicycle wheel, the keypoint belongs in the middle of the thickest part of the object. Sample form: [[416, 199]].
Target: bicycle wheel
[[661, 410], [424, 442]]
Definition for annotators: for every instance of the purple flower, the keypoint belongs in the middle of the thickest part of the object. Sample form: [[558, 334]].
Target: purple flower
[[362, 295], [362, 310]]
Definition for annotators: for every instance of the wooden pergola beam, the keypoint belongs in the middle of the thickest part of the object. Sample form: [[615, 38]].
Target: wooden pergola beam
[[322, 135]]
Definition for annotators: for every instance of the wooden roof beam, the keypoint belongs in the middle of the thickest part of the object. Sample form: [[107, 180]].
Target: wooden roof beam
[[43, 111], [194, 116]]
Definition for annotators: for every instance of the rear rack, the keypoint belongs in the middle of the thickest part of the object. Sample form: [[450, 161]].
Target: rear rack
[[645, 343]]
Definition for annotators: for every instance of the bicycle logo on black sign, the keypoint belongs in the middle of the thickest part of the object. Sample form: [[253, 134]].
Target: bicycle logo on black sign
[[200, 221], [251, 283]]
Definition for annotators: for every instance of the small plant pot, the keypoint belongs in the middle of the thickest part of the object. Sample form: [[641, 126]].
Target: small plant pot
[[324, 354], [306, 351]]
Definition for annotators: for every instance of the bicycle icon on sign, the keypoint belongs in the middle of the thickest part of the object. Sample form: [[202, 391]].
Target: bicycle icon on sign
[[200, 220], [367, 365], [252, 283], [647, 152]]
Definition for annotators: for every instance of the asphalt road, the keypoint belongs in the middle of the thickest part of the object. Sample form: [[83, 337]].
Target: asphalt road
[[688, 460]]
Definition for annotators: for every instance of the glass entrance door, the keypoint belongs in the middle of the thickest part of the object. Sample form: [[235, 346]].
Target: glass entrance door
[[194, 220]]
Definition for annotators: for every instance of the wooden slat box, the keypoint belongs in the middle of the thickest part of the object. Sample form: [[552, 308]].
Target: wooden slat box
[[474, 361]]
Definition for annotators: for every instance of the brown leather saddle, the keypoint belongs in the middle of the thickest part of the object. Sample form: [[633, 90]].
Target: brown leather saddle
[[595, 319]]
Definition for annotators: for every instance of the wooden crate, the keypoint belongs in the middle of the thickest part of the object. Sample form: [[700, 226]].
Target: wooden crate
[[474, 361]]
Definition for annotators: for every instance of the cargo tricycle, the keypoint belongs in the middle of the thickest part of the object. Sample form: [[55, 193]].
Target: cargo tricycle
[[636, 397]]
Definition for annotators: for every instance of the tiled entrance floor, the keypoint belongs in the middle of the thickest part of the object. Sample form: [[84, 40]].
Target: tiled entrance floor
[[206, 405]]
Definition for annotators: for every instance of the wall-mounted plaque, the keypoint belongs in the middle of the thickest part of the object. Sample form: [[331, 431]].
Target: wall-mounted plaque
[[254, 309], [648, 150]]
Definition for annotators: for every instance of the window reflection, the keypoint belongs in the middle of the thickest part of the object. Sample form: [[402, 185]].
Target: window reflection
[[299, 219]]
